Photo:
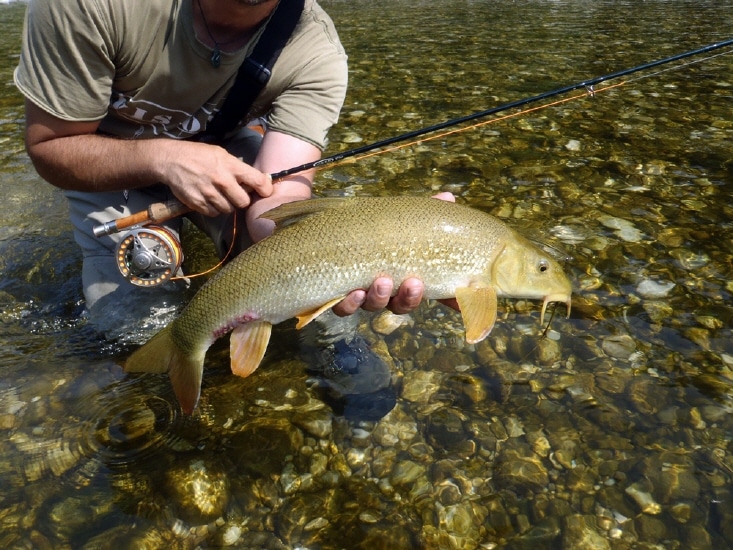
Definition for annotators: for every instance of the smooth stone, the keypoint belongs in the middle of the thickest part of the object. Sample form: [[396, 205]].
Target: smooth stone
[[654, 290], [620, 346]]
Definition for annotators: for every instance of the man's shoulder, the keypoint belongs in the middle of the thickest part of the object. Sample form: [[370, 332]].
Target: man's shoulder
[[318, 31], [132, 10], [128, 9]]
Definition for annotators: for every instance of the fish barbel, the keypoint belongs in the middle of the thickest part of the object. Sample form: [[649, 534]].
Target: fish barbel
[[322, 249]]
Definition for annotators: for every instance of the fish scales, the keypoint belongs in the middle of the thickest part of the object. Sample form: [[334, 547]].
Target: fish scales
[[339, 249], [325, 248]]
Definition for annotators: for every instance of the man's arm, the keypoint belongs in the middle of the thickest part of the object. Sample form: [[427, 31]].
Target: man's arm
[[206, 178], [279, 152]]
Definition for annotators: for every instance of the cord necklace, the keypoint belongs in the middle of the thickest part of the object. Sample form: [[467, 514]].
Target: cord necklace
[[215, 58]]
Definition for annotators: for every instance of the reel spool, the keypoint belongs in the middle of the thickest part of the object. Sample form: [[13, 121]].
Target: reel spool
[[149, 256]]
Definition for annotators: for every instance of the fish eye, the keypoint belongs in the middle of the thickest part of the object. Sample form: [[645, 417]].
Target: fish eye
[[543, 266]]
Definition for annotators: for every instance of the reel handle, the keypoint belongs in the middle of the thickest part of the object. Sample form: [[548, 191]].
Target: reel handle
[[157, 212]]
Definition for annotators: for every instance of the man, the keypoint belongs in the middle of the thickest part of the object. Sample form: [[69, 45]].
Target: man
[[118, 93], [118, 97]]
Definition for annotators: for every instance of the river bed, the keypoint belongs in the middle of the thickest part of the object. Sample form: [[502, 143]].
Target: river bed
[[609, 429]]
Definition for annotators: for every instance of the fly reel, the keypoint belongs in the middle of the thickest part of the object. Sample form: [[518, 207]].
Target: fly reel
[[149, 256]]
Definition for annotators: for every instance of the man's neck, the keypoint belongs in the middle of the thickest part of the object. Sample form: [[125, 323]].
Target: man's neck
[[230, 23]]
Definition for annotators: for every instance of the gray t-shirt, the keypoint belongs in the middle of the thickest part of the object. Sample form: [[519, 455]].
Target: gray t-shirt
[[137, 66]]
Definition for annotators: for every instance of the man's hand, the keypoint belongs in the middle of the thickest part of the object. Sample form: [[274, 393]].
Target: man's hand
[[408, 297], [208, 179], [378, 296]]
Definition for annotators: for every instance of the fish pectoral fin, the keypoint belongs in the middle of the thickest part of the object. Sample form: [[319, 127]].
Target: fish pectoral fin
[[307, 316], [247, 346], [478, 308]]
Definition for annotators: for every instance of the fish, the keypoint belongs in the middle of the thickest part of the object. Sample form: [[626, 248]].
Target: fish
[[324, 248]]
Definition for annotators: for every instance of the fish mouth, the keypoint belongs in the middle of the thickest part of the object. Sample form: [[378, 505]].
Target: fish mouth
[[565, 298]]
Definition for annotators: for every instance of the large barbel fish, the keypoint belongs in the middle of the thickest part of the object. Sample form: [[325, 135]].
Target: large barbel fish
[[324, 248]]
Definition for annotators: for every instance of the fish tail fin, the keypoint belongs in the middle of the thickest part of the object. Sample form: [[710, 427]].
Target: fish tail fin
[[161, 354]]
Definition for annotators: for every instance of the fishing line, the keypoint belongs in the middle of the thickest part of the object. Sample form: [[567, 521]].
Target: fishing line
[[222, 261], [545, 331]]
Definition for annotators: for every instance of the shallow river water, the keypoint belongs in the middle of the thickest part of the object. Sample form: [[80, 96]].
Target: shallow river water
[[611, 430]]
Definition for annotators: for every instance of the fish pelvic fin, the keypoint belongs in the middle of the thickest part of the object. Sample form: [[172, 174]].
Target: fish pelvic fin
[[247, 346], [478, 308], [307, 316], [161, 354]]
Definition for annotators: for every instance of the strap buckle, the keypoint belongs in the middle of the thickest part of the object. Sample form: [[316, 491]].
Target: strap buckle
[[257, 71]]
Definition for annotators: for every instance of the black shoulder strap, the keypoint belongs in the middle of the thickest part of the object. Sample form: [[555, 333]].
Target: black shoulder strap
[[256, 69]]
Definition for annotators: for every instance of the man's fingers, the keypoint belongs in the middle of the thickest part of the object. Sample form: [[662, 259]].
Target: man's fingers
[[208, 204], [378, 294], [253, 180], [408, 297], [374, 299], [350, 304]]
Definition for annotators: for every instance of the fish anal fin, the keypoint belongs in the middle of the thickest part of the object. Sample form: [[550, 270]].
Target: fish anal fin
[[307, 316], [247, 346], [478, 308]]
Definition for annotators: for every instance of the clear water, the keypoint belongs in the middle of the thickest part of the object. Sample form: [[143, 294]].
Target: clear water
[[611, 432]]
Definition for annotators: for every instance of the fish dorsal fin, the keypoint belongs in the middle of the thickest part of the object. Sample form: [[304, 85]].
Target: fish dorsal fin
[[247, 346], [291, 212], [307, 316], [478, 309]]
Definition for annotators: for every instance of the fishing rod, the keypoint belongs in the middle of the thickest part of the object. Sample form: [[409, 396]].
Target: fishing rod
[[587, 84], [161, 212]]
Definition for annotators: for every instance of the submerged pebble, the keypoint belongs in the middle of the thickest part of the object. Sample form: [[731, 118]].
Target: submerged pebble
[[653, 289], [621, 346], [624, 229]]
